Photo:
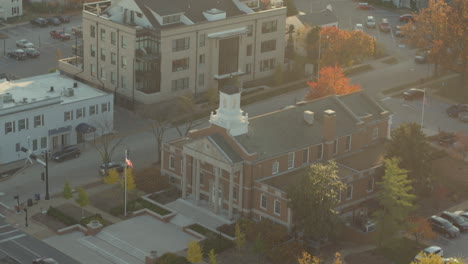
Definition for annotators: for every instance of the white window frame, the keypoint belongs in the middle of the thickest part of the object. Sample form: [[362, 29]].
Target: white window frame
[[375, 133], [171, 162], [93, 70], [43, 139], [41, 120], [321, 151], [11, 127], [306, 151], [348, 147], [103, 74], [291, 159], [23, 124], [373, 184], [352, 189], [277, 202], [263, 197], [335, 144], [275, 167], [93, 110], [68, 115], [81, 111]]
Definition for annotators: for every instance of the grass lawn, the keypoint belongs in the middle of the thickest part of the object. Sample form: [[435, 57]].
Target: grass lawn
[[402, 250], [451, 89]]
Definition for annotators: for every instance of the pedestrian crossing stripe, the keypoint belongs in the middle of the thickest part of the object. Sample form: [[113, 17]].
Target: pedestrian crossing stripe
[[11, 238]]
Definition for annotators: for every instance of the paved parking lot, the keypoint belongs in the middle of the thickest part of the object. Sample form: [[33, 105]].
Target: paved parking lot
[[42, 41]]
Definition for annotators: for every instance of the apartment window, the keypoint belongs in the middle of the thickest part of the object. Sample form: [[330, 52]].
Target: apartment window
[[93, 50], [375, 133], [268, 27], [123, 82], [269, 45], [171, 162], [123, 42], [249, 30], [105, 107], [249, 50], [180, 65], [349, 192], [92, 30], [80, 112], [202, 40], [180, 84], [38, 120], [267, 65], [319, 151], [180, 44], [201, 79], [103, 34], [235, 192], [93, 69], [93, 110], [201, 59], [275, 167], [68, 115], [113, 38], [123, 62], [18, 147], [9, 127], [34, 144], [113, 79], [335, 147], [43, 142], [103, 74], [348, 143], [103, 54], [23, 124], [263, 201], [277, 207], [248, 68], [113, 58], [305, 156], [171, 19], [370, 184], [202, 178], [290, 160]]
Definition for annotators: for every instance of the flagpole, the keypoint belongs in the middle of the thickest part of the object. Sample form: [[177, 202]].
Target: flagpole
[[125, 185], [424, 102]]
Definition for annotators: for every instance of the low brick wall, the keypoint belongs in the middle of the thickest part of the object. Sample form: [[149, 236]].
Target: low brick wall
[[70, 229]]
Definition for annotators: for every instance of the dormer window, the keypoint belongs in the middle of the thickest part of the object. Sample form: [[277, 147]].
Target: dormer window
[[171, 19]]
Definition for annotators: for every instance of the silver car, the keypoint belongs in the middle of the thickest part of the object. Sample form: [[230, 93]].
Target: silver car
[[463, 116]]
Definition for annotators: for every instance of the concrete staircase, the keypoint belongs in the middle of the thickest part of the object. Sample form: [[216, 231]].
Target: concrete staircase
[[181, 221]]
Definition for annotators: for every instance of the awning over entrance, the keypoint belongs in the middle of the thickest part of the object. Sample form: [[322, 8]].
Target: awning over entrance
[[85, 128]]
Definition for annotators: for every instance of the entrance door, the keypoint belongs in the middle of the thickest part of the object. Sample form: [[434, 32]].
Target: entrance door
[[213, 196], [64, 140], [55, 142]]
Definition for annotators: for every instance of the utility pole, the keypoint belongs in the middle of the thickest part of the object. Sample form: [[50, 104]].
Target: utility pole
[[45, 163]]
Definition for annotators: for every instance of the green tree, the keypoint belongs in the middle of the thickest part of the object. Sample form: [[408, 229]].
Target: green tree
[[408, 143], [212, 257], [395, 199], [259, 245], [82, 199], [313, 198], [194, 252], [67, 191], [239, 237], [112, 177]]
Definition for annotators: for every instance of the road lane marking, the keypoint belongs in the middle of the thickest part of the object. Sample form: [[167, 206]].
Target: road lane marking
[[12, 238], [8, 232], [26, 248], [10, 255], [386, 98]]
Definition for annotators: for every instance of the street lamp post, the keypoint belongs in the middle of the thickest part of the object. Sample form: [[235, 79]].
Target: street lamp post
[[26, 217], [17, 201], [46, 156]]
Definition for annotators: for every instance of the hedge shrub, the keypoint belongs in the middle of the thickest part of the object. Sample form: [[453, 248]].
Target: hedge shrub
[[171, 258], [61, 216], [213, 240]]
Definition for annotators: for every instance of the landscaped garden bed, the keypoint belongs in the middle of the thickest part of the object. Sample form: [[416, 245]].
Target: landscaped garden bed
[[213, 240], [166, 196]]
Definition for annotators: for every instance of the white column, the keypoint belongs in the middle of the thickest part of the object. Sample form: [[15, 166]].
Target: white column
[[194, 172], [231, 193], [197, 185], [216, 190], [184, 176], [241, 190]]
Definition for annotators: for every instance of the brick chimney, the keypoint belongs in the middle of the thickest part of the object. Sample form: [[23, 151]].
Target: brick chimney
[[329, 133]]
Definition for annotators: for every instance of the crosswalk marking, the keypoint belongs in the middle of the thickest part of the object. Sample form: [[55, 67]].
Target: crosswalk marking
[[11, 238], [9, 232]]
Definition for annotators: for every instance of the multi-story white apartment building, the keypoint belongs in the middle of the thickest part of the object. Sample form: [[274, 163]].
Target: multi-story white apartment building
[[10, 8], [154, 50], [48, 112]]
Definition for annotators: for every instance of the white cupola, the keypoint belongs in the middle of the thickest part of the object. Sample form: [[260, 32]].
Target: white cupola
[[229, 115]]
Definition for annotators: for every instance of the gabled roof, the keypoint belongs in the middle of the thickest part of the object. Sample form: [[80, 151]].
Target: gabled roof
[[226, 147], [323, 17]]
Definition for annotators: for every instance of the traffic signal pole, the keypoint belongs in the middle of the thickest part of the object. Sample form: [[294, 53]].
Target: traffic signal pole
[[47, 196]]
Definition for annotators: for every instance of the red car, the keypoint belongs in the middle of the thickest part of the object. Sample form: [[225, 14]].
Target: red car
[[365, 6], [59, 34], [407, 18]]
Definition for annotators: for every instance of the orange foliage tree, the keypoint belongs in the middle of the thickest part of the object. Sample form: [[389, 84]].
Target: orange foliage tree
[[331, 81], [420, 228]]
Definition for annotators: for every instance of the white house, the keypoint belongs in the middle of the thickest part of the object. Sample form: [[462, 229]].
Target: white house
[[48, 112], [10, 8]]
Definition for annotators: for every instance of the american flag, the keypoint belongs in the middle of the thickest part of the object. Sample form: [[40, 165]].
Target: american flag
[[129, 162]]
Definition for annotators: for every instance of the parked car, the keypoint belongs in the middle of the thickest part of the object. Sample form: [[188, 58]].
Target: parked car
[[59, 34], [444, 227], [432, 250], [111, 165], [24, 43], [421, 57], [67, 152], [365, 6], [384, 25], [18, 54], [41, 22], [53, 21], [456, 220], [463, 116], [45, 261], [63, 19], [32, 52], [456, 109], [451, 261], [446, 138], [359, 27], [398, 32], [413, 93], [370, 22], [463, 214], [407, 18], [77, 31]]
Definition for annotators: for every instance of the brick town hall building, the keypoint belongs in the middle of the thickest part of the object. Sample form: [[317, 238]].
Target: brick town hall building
[[243, 166]]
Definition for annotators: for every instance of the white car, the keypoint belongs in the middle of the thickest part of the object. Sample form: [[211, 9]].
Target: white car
[[359, 27], [370, 22], [432, 250], [24, 43]]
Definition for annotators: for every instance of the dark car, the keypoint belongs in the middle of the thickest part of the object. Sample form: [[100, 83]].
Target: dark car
[[413, 93], [111, 165], [59, 34], [32, 52], [406, 18], [53, 21], [443, 226], [456, 109], [45, 261], [384, 25], [18, 54], [456, 220], [63, 19], [65, 153], [41, 22]]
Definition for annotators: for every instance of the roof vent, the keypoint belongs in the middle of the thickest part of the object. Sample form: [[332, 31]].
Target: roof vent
[[51, 89], [75, 85], [7, 97], [214, 14], [309, 117], [68, 92], [25, 100]]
